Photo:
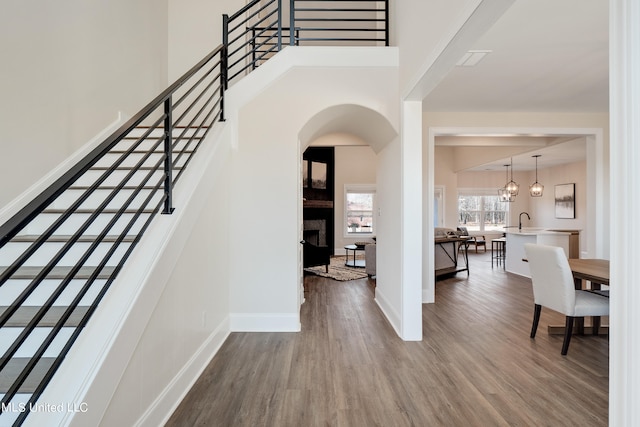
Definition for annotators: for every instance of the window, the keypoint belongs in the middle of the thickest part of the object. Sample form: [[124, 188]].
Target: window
[[359, 204], [438, 206], [482, 210]]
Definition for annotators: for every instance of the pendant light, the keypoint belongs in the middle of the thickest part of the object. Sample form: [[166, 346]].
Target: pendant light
[[503, 193], [536, 189], [511, 186]]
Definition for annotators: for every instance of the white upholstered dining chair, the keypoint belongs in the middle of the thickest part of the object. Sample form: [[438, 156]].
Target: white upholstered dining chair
[[553, 287]]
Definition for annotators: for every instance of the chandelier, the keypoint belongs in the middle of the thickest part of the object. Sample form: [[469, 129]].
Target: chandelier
[[536, 189], [511, 186], [503, 193]]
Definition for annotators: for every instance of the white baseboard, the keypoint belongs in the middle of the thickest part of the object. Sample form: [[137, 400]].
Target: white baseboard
[[159, 412], [265, 322], [387, 309], [427, 297]]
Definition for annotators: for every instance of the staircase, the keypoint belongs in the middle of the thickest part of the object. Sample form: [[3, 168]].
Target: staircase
[[61, 252], [70, 254]]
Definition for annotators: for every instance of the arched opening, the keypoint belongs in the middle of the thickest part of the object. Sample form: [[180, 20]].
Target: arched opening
[[356, 135]]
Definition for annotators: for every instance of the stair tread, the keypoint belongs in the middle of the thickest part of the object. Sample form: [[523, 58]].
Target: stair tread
[[59, 238], [90, 211], [13, 368], [156, 151], [24, 314], [58, 272], [125, 168], [113, 187]]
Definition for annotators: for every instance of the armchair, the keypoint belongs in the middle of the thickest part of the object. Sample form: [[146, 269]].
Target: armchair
[[313, 255], [476, 241]]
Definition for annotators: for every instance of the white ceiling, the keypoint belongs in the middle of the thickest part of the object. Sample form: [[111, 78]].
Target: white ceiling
[[546, 56], [553, 152]]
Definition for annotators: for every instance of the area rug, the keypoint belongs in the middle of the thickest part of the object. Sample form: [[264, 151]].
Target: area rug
[[338, 271]]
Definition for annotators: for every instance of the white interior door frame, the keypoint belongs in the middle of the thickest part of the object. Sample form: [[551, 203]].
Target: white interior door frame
[[597, 182]]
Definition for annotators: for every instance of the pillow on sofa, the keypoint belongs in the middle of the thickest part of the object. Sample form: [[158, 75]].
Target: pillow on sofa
[[463, 231], [441, 231]]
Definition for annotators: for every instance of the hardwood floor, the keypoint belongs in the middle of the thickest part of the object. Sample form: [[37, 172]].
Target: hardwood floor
[[476, 365]]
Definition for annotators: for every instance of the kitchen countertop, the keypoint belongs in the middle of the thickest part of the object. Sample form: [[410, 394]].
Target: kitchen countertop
[[532, 231]]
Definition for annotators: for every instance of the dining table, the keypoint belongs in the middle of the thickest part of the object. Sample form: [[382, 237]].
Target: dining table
[[595, 271]]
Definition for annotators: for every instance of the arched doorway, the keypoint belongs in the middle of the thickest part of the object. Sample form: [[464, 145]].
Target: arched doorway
[[354, 126]]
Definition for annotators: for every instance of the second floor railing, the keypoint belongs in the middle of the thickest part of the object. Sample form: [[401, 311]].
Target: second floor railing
[[262, 28]]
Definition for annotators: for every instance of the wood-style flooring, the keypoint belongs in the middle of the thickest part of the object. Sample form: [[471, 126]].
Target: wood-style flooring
[[476, 365]]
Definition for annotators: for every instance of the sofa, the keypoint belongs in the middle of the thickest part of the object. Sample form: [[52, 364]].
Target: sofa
[[442, 260], [370, 259]]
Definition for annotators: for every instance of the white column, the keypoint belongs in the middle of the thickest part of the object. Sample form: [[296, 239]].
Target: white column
[[624, 65], [411, 257]]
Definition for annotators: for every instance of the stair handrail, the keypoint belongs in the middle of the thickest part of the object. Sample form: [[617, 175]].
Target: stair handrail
[[25, 215], [309, 22]]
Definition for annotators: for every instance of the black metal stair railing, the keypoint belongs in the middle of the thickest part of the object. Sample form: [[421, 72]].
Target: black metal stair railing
[[260, 29], [351, 22], [145, 158], [251, 36]]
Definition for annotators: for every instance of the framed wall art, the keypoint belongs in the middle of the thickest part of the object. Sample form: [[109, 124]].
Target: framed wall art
[[565, 200]]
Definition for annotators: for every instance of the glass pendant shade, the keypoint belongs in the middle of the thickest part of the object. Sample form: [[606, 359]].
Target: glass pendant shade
[[503, 193], [536, 189], [505, 196]]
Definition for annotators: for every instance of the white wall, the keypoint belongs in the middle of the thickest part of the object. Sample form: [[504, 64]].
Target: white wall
[[389, 241], [192, 313], [265, 180], [624, 353], [68, 69], [195, 29], [421, 29], [542, 208]]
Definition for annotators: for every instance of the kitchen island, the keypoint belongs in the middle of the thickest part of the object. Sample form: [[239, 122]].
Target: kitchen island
[[569, 240]]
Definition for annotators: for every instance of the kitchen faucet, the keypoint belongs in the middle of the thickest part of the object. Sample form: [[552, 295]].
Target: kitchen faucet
[[520, 219]]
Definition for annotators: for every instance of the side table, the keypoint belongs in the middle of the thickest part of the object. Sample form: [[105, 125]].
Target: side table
[[360, 263]]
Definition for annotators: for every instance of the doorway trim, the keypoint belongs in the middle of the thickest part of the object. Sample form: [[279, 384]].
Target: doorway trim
[[597, 245]]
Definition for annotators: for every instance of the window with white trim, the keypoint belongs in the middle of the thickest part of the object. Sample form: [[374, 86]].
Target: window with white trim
[[359, 208], [480, 209]]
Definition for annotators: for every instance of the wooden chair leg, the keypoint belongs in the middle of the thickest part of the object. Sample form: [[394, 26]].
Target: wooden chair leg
[[536, 319], [568, 329]]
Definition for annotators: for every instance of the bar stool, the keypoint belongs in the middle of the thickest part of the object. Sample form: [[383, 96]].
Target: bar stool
[[498, 251]]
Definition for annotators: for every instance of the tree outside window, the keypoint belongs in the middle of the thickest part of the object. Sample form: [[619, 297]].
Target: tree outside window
[[482, 212], [359, 208]]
